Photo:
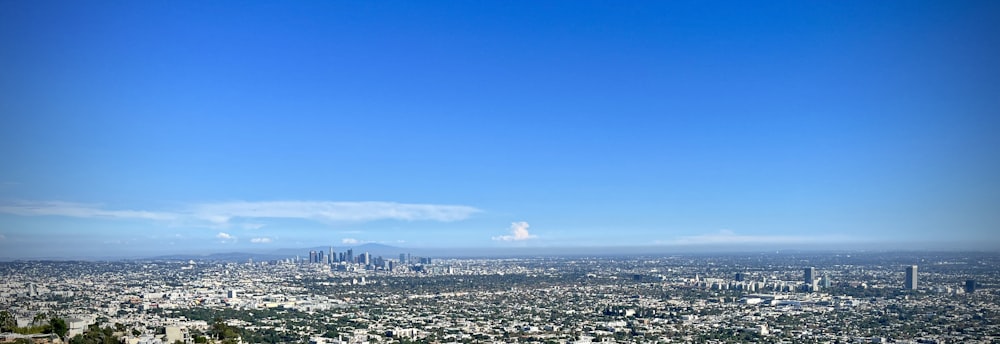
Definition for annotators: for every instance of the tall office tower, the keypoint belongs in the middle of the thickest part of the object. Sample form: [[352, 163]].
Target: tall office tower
[[402, 258], [319, 257], [332, 256], [739, 277], [367, 258], [810, 273], [970, 286], [911, 278], [350, 255], [342, 258], [312, 256]]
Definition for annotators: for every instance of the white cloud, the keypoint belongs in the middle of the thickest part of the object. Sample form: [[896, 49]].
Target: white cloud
[[349, 241], [80, 210], [725, 237], [333, 211], [263, 240], [221, 214], [518, 232], [225, 236]]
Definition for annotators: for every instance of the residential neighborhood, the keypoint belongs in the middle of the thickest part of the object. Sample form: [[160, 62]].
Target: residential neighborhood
[[764, 298]]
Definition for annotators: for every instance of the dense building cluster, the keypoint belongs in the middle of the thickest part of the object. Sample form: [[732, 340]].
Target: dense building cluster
[[343, 298]]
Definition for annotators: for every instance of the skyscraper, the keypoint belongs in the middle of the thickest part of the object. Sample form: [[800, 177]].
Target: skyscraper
[[970, 286], [911, 278], [332, 257], [312, 256], [350, 255], [810, 273]]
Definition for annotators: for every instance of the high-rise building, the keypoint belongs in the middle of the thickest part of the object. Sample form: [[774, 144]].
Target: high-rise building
[[332, 257], [739, 277], [312, 256], [810, 274], [911, 278], [970, 286], [402, 258], [319, 257], [350, 255]]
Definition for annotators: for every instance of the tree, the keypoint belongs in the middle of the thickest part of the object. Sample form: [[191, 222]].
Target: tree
[[59, 326], [7, 322], [96, 335]]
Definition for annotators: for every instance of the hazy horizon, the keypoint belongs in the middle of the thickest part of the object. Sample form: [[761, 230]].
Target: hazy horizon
[[391, 252]]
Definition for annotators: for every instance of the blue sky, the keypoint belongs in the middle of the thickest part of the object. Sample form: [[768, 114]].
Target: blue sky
[[158, 127]]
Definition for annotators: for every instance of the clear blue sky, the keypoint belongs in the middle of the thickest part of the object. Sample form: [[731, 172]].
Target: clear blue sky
[[170, 126]]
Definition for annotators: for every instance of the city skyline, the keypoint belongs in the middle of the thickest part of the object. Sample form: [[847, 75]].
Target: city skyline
[[184, 127]]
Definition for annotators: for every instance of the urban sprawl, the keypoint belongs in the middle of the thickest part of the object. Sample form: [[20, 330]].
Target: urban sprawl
[[340, 297]]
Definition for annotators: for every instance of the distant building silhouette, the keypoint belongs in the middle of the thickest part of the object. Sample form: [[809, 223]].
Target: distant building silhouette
[[739, 277], [911, 278], [970, 286], [810, 274]]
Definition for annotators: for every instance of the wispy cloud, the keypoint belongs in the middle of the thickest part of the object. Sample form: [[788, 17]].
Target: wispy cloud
[[518, 232], [262, 240], [333, 211], [726, 237], [349, 241], [224, 236], [81, 210], [221, 214]]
